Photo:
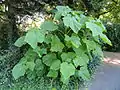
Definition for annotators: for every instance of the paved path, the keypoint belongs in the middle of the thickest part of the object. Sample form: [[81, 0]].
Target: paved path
[[108, 76]]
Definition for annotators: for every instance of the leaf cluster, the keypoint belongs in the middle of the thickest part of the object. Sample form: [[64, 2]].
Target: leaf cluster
[[64, 45]]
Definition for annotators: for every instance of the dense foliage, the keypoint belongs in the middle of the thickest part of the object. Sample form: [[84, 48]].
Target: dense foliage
[[108, 10], [12, 13], [64, 45], [114, 35]]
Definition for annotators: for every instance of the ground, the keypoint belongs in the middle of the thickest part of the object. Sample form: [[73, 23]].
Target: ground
[[108, 75]]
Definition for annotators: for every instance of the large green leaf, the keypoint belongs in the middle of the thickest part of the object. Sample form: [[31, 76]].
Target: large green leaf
[[81, 60], [20, 42], [67, 70], [56, 44], [67, 57], [99, 23], [62, 10], [64, 80], [49, 59], [96, 29], [58, 15], [91, 45], [48, 26], [40, 51], [52, 73], [72, 23], [18, 70], [82, 19], [33, 37], [105, 39], [67, 38], [27, 62], [55, 65], [74, 40], [81, 50]]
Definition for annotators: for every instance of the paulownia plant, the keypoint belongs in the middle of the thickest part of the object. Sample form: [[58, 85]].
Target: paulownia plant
[[64, 44]]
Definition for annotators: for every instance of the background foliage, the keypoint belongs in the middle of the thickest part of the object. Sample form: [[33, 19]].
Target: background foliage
[[12, 14]]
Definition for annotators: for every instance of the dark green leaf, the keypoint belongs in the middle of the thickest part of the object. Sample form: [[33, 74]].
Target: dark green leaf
[[84, 73], [30, 65], [98, 51]]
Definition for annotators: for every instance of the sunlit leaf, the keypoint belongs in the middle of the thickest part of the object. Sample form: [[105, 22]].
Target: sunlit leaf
[[74, 40], [18, 71], [96, 29], [72, 23], [67, 57], [56, 44], [81, 60], [48, 25], [105, 39], [81, 50], [67, 70], [20, 42], [63, 10], [33, 37], [55, 65]]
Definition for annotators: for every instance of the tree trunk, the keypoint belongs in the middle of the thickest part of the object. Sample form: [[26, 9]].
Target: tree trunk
[[11, 27]]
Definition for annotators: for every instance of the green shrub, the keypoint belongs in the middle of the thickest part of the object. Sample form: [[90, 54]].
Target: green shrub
[[114, 35], [62, 46], [8, 59]]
